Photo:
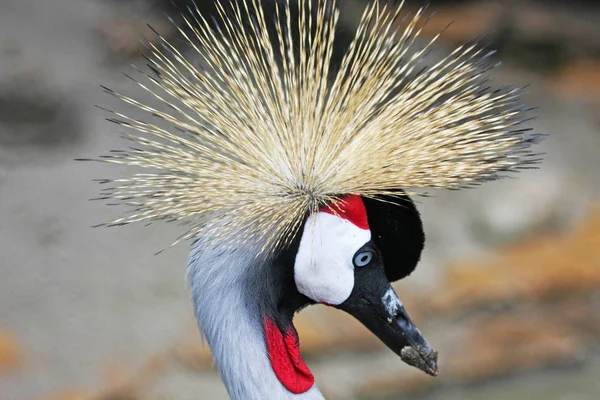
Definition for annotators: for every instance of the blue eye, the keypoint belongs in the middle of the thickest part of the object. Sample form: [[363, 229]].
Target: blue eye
[[363, 258]]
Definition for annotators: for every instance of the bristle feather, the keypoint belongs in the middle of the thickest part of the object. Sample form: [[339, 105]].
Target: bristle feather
[[269, 133]]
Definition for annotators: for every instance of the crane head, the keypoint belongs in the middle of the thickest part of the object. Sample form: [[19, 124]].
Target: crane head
[[347, 257]]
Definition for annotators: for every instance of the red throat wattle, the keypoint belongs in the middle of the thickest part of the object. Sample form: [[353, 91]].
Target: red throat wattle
[[284, 354], [351, 208]]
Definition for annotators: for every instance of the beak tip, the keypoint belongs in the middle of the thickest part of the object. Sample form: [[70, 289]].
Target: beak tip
[[426, 361], [432, 362]]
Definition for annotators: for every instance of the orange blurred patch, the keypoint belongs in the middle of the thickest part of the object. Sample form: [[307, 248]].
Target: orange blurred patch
[[11, 356], [535, 270], [71, 395], [505, 344], [467, 21], [580, 79]]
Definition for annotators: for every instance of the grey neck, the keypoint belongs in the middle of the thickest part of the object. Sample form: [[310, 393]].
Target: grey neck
[[230, 293]]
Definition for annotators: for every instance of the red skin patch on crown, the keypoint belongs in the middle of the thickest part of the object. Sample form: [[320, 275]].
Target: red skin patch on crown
[[284, 354], [350, 208]]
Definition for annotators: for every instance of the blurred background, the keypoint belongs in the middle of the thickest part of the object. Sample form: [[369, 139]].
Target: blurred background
[[508, 289]]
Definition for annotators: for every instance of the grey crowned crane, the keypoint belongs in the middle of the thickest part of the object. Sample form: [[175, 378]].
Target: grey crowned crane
[[293, 177]]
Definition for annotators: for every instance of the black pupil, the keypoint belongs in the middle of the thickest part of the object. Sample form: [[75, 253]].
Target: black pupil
[[364, 258]]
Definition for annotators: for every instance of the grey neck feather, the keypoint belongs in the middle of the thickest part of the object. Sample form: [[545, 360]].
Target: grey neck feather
[[230, 292]]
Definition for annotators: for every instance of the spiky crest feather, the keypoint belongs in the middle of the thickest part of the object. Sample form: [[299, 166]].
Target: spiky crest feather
[[267, 132]]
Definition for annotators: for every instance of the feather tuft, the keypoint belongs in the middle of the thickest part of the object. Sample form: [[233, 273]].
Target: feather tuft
[[268, 132]]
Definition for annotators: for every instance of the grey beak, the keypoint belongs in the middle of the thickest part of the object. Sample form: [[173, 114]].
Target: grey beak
[[385, 316]]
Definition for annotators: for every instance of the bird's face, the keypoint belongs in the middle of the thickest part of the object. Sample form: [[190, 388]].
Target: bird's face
[[341, 262]]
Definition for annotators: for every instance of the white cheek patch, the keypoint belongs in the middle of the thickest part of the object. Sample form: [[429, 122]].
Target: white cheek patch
[[324, 270]]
